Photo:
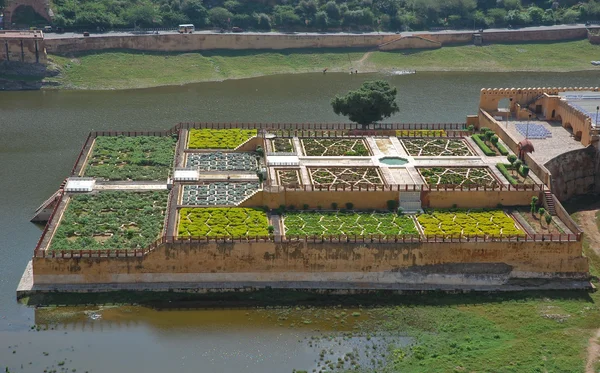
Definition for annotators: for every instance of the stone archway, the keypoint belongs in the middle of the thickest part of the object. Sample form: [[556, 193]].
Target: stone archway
[[41, 7]]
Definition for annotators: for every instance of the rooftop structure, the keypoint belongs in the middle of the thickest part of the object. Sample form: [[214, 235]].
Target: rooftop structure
[[22, 46]]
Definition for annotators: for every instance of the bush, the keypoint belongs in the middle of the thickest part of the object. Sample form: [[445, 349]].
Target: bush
[[483, 146], [501, 148], [392, 204], [484, 129], [512, 158], [524, 170], [494, 140], [488, 135], [334, 206], [548, 218], [542, 211], [471, 128], [517, 164], [349, 205], [271, 229], [502, 168], [305, 206]]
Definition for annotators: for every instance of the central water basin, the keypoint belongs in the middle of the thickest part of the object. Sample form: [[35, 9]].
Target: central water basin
[[393, 161]]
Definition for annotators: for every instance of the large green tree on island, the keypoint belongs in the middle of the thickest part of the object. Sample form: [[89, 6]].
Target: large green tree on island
[[372, 102]]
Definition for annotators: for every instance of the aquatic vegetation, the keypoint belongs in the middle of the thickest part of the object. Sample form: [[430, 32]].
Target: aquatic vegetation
[[348, 177], [222, 222], [465, 176], [111, 220], [131, 158], [334, 147], [347, 223], [218, 139], [218, 193], [436, 147], [468, 223]]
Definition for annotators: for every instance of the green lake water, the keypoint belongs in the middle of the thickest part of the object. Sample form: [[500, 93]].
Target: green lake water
[[41, 134]]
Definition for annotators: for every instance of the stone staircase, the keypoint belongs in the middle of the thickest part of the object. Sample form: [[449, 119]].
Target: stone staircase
[[410, 202], [549, 202]]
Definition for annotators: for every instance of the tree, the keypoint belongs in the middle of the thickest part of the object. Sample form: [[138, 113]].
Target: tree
[[570, 16], [541, 210], [195, 11], [512, 158], [263, 21], [488, 135], [321, 20], [534, 201], [536, 14], [372, 102], [333, 11], [517, 164], [219, 17], [494, 139], [548, 218]]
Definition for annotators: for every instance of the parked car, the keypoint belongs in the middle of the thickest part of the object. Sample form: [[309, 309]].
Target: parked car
[[47, 29], [237, 29], [85, 33]]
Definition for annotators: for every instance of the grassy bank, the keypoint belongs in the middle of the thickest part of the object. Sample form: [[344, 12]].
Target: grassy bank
[[130, 69]]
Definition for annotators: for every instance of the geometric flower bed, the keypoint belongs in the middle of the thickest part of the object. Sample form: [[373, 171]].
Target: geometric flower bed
[[111, 220], [335, 147], [288, 177], [282, 145], [339, 176], [436, 147], [223, 161], [217, 193], [347, 223], [134, 158], [421, 133], [222, 222], [219, 139], [468, 223], [466, 176]]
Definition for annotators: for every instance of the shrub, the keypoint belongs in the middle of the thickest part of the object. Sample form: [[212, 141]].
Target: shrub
[[334, 206], [501, 148], [512, 158], [548, 218], [488, 135], [271, 229], [483, 146], [542, 211], [349, 205], [494, 140], [291, 207], [484, 129], [471, 128], [524, 170], [502, 168], [305, 206], [222, 222], [392, 204], [517, 164]]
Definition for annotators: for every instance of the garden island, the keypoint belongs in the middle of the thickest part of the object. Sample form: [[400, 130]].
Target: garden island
[[338, 207]]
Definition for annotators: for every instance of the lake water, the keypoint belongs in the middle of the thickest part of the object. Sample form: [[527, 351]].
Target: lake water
[[42, 132]]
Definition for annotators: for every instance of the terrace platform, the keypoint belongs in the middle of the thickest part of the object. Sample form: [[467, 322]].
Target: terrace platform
[[228, 224]]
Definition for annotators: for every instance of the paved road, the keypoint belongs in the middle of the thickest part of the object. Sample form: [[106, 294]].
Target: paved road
[[68, 35]]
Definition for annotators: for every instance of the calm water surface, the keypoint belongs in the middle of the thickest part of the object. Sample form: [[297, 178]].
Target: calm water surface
[[40, 136]]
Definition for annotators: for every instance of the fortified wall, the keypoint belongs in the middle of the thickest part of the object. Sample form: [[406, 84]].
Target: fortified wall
[[383, 41], [22, 46]]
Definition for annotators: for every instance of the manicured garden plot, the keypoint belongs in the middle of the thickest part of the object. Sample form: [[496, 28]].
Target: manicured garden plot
[[219, 139], [111, 220], [436, 147], [222, 222], [282, 145], [335, 147], [218, 193], [223, 161], [468, 223], [511, 174], [421, 133], [289, 177], [349, 177], [465, 176], [131, 158], [538, 224], [490, 147], [347, 223]]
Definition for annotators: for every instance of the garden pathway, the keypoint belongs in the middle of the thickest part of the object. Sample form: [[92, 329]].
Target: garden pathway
[[131, 185]]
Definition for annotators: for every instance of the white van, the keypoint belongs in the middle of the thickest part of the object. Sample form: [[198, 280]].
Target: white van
[[186, 29]]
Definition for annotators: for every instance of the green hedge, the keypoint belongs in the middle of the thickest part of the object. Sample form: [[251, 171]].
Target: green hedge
[[486, 150], [501, 149], [507, 175]]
